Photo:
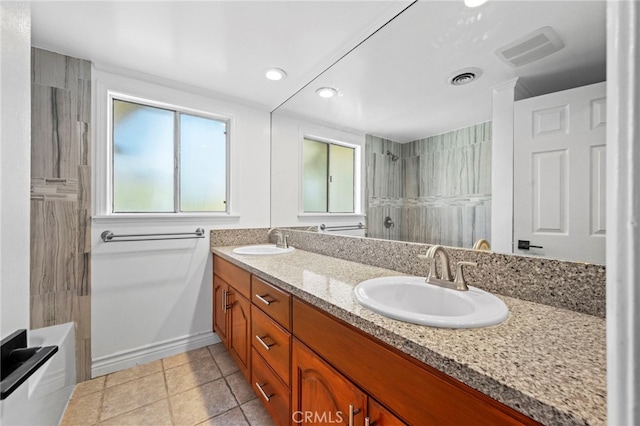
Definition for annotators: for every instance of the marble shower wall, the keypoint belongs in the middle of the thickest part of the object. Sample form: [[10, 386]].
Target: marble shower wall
[[385, 187], [61, 197], [437, 192]]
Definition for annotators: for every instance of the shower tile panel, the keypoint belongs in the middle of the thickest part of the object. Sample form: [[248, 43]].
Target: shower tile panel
[[445, 191], [61, 197], [54, 137]]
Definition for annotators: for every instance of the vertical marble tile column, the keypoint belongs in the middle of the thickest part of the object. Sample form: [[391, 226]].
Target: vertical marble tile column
[[384, 189], [61, 197]]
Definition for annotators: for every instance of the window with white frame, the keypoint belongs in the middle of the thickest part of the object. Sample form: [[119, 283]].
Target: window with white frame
[[166, 160], [328, 177]]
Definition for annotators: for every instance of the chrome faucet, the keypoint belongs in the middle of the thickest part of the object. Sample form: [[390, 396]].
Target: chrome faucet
[[282, 241], [444, 280]]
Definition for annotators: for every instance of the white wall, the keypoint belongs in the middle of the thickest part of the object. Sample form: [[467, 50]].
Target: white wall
[[152, 299], [15, 160], [502, 168], [623, 213], [286, 172]]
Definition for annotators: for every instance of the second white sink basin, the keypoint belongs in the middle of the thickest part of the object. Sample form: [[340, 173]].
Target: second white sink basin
[[262, 250], [410, 299]]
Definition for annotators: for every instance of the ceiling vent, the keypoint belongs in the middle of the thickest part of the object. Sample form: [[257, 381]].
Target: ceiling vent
[[464, 76], [535, 45]]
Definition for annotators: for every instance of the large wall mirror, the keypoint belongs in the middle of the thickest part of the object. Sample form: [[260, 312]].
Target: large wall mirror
[[417, 98]]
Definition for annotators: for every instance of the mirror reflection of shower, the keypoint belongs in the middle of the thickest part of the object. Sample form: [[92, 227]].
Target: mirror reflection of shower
[[393, 156]]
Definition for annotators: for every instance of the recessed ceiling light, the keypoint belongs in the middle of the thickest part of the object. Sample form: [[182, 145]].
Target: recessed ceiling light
[[275, 74], [464, 76], [326, 92], [474, 3]]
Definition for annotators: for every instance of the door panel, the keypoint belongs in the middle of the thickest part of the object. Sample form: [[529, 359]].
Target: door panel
[[559, 179], [220, 287], [321, 394], [239, 342]]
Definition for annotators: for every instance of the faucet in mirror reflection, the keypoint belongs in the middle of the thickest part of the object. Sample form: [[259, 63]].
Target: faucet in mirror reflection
[[282, 239]]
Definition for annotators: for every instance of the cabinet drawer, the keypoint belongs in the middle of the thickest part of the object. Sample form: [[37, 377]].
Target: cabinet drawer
[[270, 390], [275, 302], [272, 342], [237, 277]]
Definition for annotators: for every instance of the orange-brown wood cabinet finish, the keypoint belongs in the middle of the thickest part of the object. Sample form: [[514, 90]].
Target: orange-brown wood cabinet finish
[[335, 369], [320, 394], [232, 311]]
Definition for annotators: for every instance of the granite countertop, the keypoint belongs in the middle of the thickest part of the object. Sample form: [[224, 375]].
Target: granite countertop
[[546, 362]]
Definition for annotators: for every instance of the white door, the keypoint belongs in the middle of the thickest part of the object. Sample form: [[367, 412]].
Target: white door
[[559, 174]]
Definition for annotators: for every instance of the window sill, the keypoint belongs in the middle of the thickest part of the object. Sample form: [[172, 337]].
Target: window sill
[[149, 218], [334, 215]]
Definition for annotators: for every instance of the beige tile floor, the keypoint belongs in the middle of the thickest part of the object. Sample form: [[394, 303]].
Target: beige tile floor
[[199, 387]]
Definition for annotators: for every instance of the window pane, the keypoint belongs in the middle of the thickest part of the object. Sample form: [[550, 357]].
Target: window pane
[[341, 181], [203, 161], [142, 158], [315, 174]]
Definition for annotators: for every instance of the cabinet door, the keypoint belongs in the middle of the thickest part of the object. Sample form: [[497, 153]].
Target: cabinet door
[[380, 416], [220, 290], [239, 330], [320, 394]]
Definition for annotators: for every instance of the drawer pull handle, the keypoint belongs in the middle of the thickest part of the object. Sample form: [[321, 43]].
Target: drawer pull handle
[[266, 397], [352, 412], [263, 343], [264, 300]]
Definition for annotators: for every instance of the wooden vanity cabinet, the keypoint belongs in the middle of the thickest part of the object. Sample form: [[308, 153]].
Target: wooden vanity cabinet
[[232, 311], [308, 367], [416, 392]]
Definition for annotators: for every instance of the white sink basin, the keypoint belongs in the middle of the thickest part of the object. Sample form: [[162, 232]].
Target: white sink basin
[[262, 250], [410, 299]]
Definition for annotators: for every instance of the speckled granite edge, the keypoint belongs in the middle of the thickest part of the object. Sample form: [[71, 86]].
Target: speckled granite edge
[[518, 400], [577, 286]]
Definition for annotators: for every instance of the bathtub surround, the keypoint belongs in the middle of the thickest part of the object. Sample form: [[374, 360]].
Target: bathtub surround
[[575, 286], [43, 397], [61, 197], [437, 191]]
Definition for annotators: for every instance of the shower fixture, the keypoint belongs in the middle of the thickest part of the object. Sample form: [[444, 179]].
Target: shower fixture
[[393, 156]]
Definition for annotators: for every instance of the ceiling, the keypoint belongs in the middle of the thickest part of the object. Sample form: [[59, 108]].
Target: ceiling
[[395, 84], [219, 47], [392, 85]]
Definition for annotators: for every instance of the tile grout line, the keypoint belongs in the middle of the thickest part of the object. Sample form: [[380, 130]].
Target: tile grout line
[[166, 388], [167, 398], [101, 404]]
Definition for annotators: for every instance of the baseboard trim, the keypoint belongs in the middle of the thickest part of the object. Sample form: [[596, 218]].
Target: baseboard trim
[[141, 355]]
